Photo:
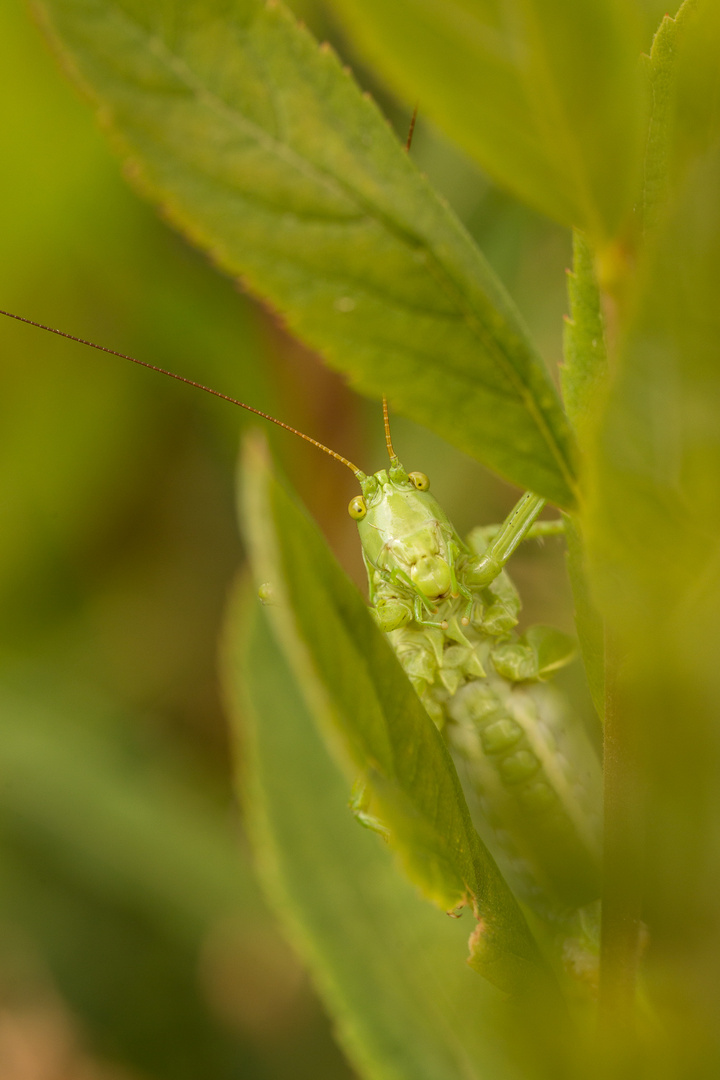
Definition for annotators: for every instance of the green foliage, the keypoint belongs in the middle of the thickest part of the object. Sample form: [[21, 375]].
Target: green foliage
[[583, 377], [584, 373], [259, 146], [274, 162], [656, 479], [660, 73], [390, 969], [545, 96], [348, 673]]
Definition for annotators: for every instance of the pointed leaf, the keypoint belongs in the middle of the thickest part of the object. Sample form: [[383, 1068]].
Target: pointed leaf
[[389, 967], [584, 369], [660, 70], [259, 145], [372, 716]]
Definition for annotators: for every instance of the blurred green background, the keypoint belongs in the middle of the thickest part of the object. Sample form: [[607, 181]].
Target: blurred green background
[[133, 939]]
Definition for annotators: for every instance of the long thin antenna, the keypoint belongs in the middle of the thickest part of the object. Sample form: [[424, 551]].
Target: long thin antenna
[[388, 439], [386, 418], [189, 382]]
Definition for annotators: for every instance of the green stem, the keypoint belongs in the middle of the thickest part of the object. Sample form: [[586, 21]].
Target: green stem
[[621, 905]]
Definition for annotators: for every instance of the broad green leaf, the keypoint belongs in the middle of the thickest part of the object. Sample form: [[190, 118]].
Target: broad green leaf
[[653, 536], [389, 966], [372, 716], [263, 150], [584, 370], [658, 443], [544, 94], [694, 81]]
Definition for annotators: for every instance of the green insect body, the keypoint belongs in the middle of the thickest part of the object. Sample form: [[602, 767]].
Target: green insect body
[[449, 611]]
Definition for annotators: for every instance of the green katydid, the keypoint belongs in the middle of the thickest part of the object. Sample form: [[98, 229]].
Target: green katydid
[[449, 610]]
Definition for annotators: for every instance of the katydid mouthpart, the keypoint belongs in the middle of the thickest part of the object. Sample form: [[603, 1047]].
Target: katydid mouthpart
[[449, 610]]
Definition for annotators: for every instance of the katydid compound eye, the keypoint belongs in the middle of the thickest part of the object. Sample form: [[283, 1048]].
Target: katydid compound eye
[[357, 508], [420, 481]]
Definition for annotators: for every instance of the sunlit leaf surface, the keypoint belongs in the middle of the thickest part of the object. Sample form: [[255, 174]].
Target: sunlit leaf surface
[[261, 147]]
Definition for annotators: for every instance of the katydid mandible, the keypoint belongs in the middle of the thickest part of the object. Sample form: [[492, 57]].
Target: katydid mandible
[[449, 610]]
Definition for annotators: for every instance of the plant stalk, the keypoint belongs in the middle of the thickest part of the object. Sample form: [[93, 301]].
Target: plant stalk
[[621, 936]]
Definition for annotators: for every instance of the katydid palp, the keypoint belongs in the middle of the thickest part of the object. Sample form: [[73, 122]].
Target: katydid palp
[[449, 610]]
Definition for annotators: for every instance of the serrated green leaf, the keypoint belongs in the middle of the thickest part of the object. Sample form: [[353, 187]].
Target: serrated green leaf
[[660, 69], [262, 149], [389, 967], [370, 713], [584, 370], [545, 95]]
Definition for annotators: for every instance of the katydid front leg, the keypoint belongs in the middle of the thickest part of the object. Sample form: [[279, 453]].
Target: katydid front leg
[[519, 525]]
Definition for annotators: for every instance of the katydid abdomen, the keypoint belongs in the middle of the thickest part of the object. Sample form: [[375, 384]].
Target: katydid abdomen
[[535, 776]]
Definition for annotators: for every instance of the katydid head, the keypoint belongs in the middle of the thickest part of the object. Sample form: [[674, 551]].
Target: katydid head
[[374, 485], [405, 533], [403, 523]]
